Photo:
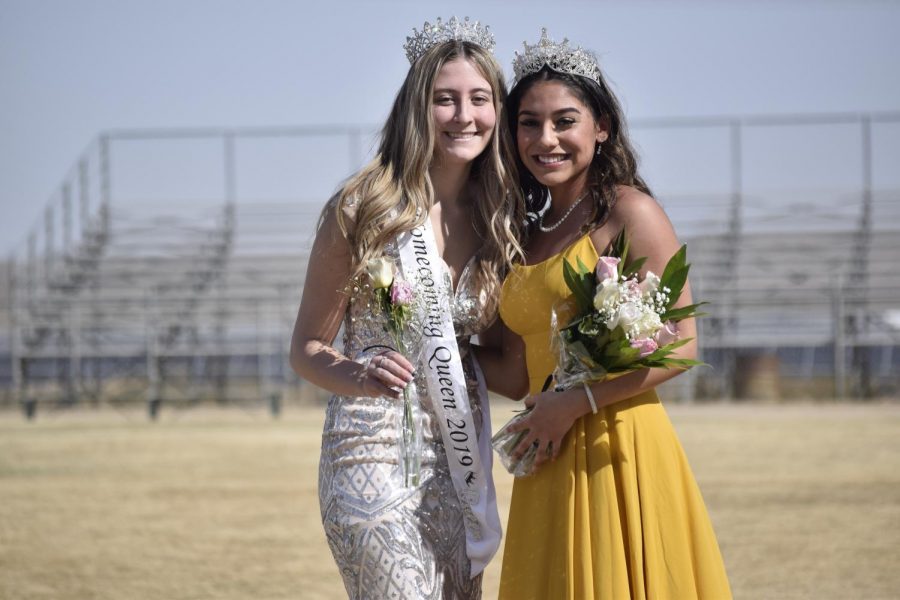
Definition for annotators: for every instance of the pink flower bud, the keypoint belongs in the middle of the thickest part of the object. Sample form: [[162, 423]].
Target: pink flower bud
[[647, 346], [667, 334], [607, 268], [401, 293]]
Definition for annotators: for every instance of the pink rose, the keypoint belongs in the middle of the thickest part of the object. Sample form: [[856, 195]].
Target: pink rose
[[607, 268], [647, 346], [401, 293], [668, 334]]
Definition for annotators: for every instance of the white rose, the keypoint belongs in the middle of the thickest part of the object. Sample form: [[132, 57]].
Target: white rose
[[381, 272], [626, 316], [648, 324], [608, 291], [650, 284]]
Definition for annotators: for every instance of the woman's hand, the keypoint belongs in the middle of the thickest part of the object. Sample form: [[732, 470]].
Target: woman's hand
[[551, 418], [386, 374], [321, 313]]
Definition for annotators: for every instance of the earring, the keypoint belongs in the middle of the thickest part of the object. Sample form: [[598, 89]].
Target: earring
[[597, 152]]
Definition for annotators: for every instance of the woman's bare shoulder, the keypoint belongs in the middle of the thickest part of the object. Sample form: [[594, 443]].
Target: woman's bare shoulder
[[633, 205], [646, 223]]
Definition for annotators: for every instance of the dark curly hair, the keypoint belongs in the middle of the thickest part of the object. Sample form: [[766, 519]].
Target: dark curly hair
[[615, 165]]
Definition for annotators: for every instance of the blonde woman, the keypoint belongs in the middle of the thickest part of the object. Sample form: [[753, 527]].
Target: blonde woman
[[432, 209]]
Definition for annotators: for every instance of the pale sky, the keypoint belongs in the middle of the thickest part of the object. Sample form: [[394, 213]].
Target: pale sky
[[71, 69]]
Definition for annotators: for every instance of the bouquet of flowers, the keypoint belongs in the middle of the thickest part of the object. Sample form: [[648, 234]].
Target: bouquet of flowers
[[621, 324], [394, 297]]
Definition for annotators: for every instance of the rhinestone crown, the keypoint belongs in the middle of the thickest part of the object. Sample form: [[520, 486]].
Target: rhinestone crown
[[453, 30], [560, 57]]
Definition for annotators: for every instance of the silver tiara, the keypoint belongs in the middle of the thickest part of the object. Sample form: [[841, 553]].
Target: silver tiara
[[560, 57], [453, 30]]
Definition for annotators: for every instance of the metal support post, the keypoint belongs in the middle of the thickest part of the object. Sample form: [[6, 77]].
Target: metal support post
[[67, 218], [838, 341], [152, 367], [48, 244], [14, 337], [84, 200], [31, 268], [73, 384], [229, 169], [105, 174], [732, 249]]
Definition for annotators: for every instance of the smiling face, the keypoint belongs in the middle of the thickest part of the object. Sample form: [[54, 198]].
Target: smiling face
[[557, 134], [463, 112]]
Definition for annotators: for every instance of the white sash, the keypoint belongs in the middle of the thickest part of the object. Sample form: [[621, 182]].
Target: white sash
[[469, 458]]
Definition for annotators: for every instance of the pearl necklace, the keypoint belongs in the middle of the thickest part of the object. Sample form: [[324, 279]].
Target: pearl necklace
[[550, 228]]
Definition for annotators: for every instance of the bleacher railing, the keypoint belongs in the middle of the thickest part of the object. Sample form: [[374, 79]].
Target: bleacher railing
[[169, 264]]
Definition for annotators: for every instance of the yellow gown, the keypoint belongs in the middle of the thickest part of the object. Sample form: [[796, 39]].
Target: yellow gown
[[618, 514]]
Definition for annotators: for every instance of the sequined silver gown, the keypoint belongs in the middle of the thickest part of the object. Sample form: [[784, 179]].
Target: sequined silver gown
[[390, 541]]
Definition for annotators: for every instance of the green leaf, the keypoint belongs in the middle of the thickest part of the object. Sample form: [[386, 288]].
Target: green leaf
[[620, 246], [676, 344], [602, 338], [658, 355], [676, 284], [635, 266], [587, 279], [674, 363], [588, 327], [662, 353], [677, 314], [618, 334], [627, 356], [576, 284], [582, 268], [687, 362], [613, 349], [678, 260], [653, 364]]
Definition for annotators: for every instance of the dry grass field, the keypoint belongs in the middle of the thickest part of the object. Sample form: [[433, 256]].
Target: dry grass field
[[222, 503]]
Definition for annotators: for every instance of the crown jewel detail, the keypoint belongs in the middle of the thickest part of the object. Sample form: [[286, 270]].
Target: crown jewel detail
[[453, 30], [560, 57]]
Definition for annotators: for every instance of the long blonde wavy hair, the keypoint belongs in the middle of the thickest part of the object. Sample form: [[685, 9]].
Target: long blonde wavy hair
[[398, 177]]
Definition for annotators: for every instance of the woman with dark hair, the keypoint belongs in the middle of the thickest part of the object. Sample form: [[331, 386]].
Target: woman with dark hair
[[612, 509], [405, 487]]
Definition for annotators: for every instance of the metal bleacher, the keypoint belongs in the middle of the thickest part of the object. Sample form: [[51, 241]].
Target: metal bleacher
[[142, 295]]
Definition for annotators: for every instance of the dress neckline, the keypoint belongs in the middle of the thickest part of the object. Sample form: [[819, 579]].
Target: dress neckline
[[558, 254], [462, 273]]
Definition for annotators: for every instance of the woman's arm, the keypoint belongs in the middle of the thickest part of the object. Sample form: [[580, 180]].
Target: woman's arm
[[501, 354], [321, 311], [650, 234]]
